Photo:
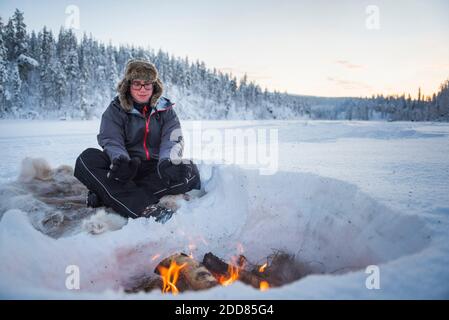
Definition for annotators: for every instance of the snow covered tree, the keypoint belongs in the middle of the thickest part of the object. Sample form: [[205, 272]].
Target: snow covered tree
[[72, 67], [9, 35], [16, 36], [111, 69], [47, 75], [20, 41], [33, 46], [442, 100], [15, 85], [3, 70]]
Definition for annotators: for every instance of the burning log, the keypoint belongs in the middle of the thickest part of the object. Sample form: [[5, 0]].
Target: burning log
[[215, 264], [281, 268], [228, 273], [180, 272]]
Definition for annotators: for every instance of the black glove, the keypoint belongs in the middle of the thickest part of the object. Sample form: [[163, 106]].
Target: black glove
[[169, 172], [123, 170]]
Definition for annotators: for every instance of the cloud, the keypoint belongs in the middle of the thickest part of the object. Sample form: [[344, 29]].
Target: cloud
[[349, 84], [348, 64]]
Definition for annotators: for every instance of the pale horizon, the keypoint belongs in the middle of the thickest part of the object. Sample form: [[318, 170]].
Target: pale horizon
[[315, 48]]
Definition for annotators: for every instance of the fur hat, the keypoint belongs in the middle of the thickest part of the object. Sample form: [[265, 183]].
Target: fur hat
[[142, 70]]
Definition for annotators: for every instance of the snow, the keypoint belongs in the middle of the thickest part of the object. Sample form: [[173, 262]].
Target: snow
[[346, 195], [23, 59]]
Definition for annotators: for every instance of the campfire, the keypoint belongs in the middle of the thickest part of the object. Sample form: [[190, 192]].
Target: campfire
[[180, 272]]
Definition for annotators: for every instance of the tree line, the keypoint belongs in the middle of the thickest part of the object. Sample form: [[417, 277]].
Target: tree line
[[43, 75]]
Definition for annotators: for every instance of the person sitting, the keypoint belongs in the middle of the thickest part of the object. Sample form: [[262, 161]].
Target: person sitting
[[142, 143]]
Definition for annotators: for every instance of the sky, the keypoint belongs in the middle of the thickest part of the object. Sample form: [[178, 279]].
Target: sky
[[313, 47]]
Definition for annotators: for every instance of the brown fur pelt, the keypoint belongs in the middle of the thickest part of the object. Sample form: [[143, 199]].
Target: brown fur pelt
[[52, 186], [53, 198], [55, 201]]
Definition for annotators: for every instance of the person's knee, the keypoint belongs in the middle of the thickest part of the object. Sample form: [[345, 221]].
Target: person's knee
[[89, 158], [90, 153]]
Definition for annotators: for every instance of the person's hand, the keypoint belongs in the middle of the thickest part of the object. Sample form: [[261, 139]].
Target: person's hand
[[169, 172], [123, 170]]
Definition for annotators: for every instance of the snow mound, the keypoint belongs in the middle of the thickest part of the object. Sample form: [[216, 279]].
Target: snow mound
[[329, 225], [26, 60]]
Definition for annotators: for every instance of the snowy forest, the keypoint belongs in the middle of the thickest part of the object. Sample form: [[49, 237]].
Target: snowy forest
[[48, 76]]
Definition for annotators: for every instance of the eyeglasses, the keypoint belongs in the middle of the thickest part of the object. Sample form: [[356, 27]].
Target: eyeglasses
[[137, 85]]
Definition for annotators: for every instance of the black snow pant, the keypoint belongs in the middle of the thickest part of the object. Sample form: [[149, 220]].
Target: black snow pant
[[131, 198]]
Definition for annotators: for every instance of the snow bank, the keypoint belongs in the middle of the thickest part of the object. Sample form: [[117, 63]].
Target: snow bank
[[26, 60], [328, 224]]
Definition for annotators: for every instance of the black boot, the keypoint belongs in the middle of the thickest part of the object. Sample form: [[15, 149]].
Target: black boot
[[158, 212], [93, 201]]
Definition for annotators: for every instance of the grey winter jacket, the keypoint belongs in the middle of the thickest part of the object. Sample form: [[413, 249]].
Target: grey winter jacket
[[155, 135]]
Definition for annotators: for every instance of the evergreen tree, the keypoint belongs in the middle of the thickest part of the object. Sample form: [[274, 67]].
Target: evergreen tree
[[9, 36], [20, 36], [111, 70], [3, 70], [15, 85], [48, 72]]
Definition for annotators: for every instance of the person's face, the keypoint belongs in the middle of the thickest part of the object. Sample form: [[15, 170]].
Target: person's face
[[141, 91]]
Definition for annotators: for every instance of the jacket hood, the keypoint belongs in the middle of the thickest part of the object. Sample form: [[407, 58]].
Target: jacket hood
[[162, 104]]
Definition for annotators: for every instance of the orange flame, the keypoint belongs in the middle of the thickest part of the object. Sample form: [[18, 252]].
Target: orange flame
[[262, 268], [233, 275], [170, 277], [264, 286]]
